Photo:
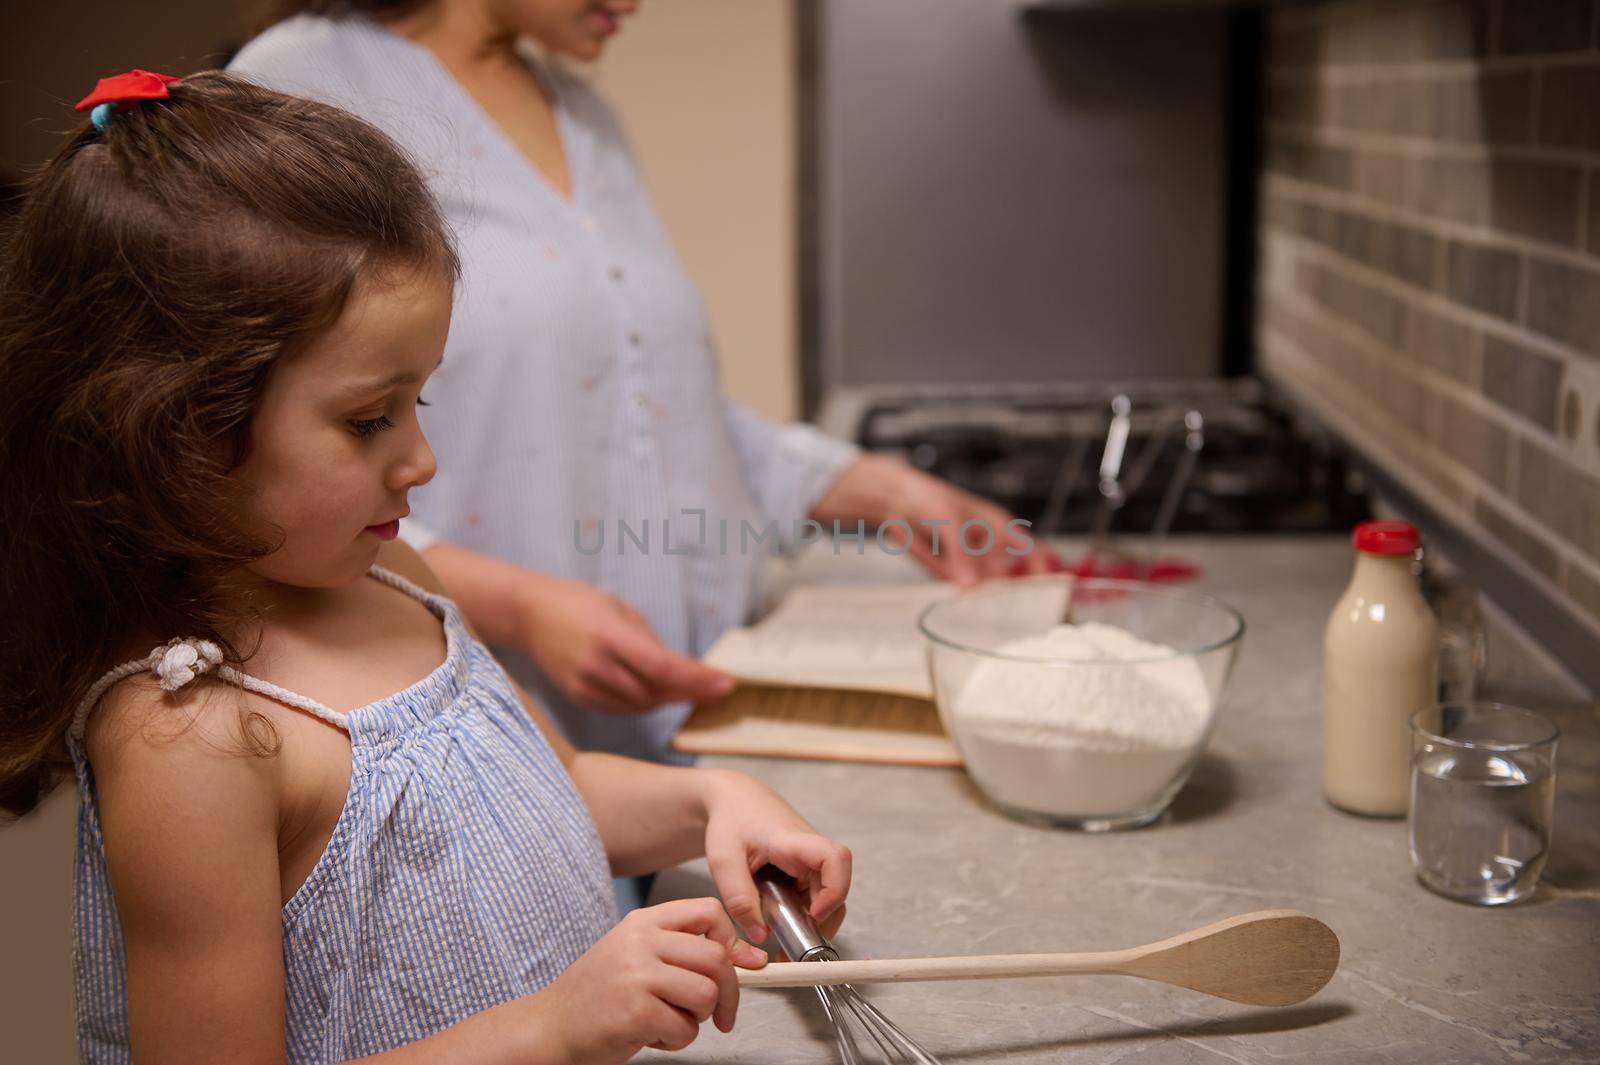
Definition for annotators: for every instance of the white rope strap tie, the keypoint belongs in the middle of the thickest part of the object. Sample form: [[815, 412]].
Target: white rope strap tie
[[179, 662]]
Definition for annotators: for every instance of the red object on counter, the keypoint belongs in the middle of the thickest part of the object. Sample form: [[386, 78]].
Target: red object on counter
[[1162, 570], [1386, 538], [1053, 564]]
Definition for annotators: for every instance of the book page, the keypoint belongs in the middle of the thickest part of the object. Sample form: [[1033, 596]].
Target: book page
[[853, 638], [866, 638]]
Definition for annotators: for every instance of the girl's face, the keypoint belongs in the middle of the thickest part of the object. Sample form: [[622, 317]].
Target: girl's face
[[335, 444], [578, 28]]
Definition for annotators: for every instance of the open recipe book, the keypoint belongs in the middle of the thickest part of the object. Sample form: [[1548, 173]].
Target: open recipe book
[[835, 672]]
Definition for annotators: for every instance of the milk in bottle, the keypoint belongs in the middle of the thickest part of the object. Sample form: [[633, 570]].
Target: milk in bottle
[[1380, 654]]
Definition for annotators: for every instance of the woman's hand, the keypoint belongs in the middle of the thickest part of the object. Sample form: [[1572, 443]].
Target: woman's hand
[[598, 651], [748, 826], [876, 489], [602, 653], [649, 982]]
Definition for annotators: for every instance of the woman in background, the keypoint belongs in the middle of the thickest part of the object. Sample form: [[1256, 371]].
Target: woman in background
[[580, 385]]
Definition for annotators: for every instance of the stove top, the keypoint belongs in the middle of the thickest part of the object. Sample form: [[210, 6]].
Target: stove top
[[1037, 452]]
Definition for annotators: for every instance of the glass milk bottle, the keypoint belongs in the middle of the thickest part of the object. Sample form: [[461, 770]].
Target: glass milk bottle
[[1380, 660]]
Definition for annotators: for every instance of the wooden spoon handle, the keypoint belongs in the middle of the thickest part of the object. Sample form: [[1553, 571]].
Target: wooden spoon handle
[[902, 970], [1266, 958]]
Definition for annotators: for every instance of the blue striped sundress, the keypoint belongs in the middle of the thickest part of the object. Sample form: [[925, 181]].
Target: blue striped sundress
[[463, 871]]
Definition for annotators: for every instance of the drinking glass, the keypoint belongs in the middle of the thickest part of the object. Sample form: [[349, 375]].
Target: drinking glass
[[1482, 800]]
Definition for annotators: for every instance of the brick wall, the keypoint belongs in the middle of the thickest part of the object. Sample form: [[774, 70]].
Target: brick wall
[[1430, 267]]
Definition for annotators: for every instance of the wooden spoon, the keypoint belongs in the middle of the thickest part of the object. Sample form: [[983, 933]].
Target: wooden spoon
[[1266, 958]]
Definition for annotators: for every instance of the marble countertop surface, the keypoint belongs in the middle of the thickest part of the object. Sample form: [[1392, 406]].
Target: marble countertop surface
[[1422, 979]]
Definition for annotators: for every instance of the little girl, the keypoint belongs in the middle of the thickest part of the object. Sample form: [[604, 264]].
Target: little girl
[[317, 821]]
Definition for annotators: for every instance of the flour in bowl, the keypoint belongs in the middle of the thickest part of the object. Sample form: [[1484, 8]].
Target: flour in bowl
[[1100, 736]]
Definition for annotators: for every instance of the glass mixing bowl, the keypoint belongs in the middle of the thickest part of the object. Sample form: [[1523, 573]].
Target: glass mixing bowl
[[1093, 739]]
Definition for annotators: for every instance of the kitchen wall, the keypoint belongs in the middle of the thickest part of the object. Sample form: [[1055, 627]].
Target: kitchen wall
[[1430, 278], [54, 52]]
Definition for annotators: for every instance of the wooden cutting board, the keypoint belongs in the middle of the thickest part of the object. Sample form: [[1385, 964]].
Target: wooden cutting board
[[830, 724]]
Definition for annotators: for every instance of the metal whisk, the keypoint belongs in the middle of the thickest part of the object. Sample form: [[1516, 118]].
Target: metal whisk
[[796, 933]]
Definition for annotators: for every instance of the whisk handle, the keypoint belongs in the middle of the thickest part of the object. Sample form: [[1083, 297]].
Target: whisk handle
[[784, 909]]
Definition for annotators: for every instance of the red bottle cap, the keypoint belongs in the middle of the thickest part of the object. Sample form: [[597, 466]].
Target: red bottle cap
[[1387, 538]]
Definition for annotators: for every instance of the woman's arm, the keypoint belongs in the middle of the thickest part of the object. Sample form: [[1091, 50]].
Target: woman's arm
[[796, 472], [878, 489], [787, 467]]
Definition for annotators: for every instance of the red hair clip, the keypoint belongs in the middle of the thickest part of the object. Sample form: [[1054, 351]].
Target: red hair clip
[[122, 91]]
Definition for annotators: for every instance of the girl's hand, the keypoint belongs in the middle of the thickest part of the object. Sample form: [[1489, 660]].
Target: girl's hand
[[748, 826], [649, 982]]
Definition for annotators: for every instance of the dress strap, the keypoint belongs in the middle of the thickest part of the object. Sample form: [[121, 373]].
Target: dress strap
[[177, 663], [403, 584]]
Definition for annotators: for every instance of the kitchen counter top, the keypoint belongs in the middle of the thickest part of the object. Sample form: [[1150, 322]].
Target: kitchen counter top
[[1423, 979]]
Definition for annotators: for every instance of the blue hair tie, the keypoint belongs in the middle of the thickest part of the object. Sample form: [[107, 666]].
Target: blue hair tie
[[101, 115]]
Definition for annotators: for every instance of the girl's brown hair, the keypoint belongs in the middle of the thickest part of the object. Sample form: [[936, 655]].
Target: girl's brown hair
[[155, 274]]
